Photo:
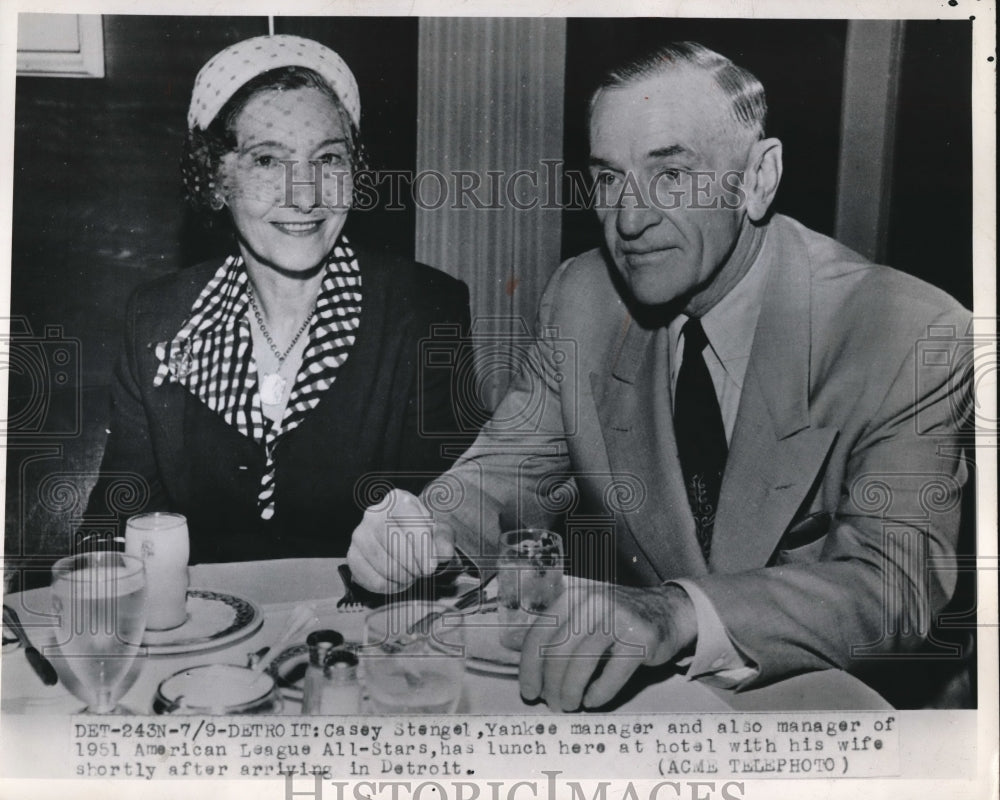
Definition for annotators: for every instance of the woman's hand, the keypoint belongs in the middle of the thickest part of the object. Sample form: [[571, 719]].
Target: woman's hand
[[397, 543]]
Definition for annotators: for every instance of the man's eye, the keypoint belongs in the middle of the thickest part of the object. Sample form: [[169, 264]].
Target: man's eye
[[605, 178], [671, 175]]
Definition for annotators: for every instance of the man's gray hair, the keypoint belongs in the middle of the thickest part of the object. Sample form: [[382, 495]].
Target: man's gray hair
[[744, 90]]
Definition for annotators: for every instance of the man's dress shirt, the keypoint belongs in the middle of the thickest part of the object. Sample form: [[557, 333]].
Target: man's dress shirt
[[729, 327]]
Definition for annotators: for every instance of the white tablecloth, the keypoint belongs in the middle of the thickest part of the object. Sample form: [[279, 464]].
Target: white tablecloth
[[277, 586]]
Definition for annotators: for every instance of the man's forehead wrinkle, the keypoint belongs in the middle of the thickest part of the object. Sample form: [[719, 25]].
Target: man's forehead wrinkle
[[645, 139], [695, 97], [677, 151]]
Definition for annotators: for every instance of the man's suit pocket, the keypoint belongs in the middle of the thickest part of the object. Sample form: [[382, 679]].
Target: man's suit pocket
[[803, 540]]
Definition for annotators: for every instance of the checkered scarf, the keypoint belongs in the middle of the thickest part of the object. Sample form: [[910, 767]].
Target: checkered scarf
[[211, 355]]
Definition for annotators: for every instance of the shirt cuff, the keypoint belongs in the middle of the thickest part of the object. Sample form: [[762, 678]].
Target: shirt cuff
[[716, 660]]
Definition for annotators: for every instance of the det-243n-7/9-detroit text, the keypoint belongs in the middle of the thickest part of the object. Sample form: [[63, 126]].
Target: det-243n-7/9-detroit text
[[93, 733], [828, 725], [656, 746]]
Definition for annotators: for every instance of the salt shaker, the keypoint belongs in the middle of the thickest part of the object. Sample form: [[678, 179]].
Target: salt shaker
[[320, 644], [331, 684]]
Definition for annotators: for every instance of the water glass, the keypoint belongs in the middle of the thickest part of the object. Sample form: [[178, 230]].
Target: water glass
[[529, 580], [100, 601], [409, 668]]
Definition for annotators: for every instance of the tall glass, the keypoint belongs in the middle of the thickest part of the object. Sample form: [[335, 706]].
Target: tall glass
[[413, 667], [160, 540], [529, 580], [100, 601]]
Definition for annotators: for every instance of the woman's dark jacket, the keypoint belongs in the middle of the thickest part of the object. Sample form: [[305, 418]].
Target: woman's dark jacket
[[390, 418]]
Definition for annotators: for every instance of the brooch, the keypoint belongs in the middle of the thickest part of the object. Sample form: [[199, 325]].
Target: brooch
[[182, 363]]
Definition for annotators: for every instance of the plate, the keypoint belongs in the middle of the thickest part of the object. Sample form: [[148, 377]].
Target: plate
[[483, 651], [216, 689], [214, 620], [289, 669]]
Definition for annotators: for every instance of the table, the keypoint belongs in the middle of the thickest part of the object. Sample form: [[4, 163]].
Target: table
[[278, 586]]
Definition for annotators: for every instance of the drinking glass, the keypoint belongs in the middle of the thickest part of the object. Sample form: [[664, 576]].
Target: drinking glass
[[100, 601], [529, 580], [160, 540], [409, 668]]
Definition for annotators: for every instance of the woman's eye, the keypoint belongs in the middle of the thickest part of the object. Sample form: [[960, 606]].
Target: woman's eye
[[264, 160], [332, 159]]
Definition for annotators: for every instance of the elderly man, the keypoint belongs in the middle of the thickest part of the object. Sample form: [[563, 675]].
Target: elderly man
[[755, 383]]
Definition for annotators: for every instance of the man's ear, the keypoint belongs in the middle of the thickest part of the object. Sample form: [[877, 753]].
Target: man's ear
[[763, 177]]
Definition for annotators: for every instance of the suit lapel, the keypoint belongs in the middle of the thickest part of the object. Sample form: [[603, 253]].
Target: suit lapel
[[767, 477], [775, 454], [634, 411]]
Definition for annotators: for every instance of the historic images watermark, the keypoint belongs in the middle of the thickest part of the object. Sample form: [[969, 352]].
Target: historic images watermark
[[549, 788], [550, 186]]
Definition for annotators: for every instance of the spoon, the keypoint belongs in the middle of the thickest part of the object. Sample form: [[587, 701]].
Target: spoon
[[301, 616]]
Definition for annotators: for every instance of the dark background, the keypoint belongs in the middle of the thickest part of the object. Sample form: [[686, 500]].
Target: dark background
[[98, 208], [930, 219]]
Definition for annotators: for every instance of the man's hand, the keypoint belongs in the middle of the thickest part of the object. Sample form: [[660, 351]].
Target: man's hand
[[617, 626], [396, 543]]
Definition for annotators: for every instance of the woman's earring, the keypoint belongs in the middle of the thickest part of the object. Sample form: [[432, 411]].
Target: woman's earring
[[216, 202]]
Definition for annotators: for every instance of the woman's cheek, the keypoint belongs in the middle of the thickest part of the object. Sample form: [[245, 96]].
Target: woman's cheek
[[338, 188], [257, 196]]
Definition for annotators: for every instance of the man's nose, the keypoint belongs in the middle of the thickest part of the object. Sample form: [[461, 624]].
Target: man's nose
[[635, 215]]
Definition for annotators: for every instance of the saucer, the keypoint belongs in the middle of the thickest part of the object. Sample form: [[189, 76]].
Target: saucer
[[215, 619]]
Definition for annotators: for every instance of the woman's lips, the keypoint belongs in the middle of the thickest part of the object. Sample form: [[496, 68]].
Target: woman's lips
[[299, 228]]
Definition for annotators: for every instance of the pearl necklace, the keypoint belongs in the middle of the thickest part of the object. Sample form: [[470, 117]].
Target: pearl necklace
[[273, 384]]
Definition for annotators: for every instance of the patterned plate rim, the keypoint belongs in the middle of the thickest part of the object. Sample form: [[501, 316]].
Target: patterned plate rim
[[246, 614], [286, 655], [490, 666]]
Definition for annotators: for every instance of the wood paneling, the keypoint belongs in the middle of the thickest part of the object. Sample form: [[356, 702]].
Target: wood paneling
[[491, 101]]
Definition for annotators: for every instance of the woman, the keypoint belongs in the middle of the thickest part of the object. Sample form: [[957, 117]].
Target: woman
[[253, 395]]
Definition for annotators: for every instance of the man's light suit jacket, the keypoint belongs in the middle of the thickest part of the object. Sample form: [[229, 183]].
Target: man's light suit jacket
[[840, 503]]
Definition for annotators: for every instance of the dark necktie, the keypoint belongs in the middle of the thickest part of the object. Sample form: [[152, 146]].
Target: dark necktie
[[701, 436]]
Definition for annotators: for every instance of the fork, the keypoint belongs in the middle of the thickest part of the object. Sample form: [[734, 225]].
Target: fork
[[349, 602], [470, 599]]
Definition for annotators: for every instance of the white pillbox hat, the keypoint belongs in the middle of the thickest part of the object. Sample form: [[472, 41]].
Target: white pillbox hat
[[231, 68]]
